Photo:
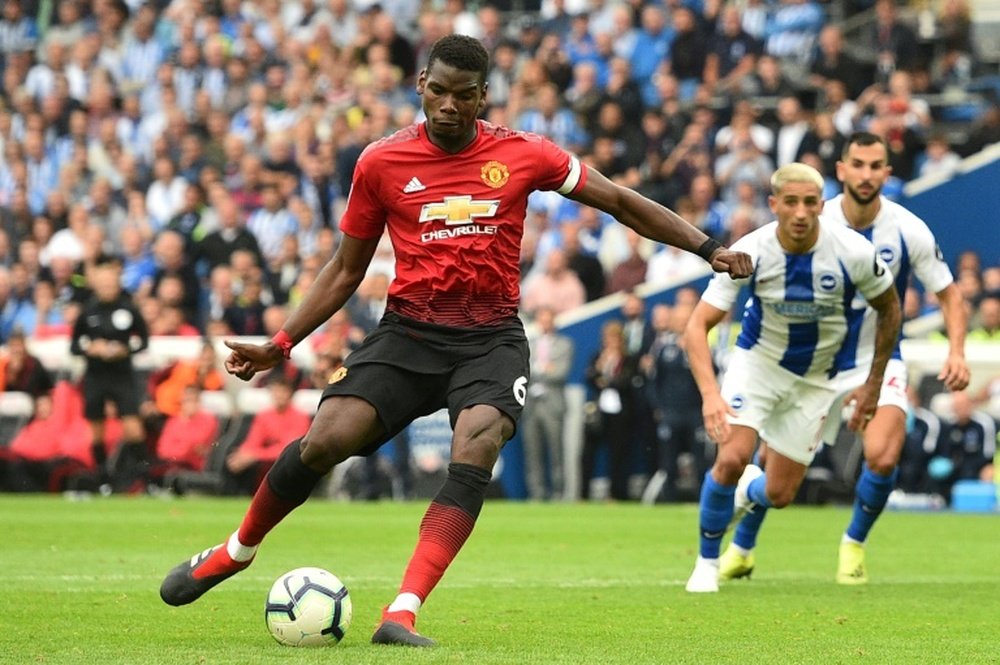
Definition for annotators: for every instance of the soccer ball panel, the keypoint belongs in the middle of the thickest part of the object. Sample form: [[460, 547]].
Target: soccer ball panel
[[308, 607]]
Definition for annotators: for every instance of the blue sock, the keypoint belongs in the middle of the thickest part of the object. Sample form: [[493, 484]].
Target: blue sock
[[757, 491], [870, 496], [749, 526], [716, 509]]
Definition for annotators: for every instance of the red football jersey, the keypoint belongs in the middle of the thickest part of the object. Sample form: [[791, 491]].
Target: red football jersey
[[455, 220]]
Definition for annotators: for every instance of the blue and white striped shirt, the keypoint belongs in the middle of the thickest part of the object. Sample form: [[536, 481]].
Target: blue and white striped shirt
[[796, 315], [907, 247]]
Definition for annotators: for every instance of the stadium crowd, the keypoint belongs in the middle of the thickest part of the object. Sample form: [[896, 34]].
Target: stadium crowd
[[210, 146]]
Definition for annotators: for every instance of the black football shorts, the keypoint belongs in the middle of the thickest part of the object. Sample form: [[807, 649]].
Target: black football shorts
[[118, 387], [407, 369]]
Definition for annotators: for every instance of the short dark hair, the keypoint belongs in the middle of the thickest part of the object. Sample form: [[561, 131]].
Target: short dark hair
[[863, 139], [461, 52]]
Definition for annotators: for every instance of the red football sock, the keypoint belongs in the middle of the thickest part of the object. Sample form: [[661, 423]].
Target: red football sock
[[404, 617], [443, 531], [219, 563], [264, 513]]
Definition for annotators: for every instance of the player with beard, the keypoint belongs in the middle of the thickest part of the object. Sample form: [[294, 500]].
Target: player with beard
[[907, 246], [452, 193]]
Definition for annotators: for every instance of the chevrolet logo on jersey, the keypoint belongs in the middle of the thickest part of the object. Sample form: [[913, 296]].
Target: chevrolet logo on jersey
[[459, 214], [458, 210]]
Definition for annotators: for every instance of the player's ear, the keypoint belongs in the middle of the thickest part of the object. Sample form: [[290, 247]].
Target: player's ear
[[421, 81], [772, 202], [482, 97]]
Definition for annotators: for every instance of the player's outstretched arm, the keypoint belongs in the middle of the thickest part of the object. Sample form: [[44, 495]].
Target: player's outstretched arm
[[714, 409], [889, 318], [955, 373], [656, 222], [333, 286]]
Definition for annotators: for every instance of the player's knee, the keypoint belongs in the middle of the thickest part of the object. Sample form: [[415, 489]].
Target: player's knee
[[729, 468], [782, 497], [322, 450], [882, 464]]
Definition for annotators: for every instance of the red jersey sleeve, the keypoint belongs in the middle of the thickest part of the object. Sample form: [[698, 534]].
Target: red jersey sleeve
[[365, 215], [558, 170]]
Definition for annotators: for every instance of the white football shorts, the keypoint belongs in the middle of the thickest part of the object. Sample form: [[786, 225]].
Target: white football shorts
[[786, 410], [893, 393]]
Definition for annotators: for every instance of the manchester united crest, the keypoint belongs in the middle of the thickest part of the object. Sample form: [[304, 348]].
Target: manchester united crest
[[494, 174], [338, 375]]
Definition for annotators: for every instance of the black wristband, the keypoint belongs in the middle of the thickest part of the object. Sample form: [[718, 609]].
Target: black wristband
[[708, 248]]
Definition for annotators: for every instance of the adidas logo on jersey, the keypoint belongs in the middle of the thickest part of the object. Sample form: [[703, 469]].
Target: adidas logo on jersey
[[413, 186]]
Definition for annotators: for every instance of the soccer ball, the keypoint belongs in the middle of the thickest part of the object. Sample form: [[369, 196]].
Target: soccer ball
[[308, 607]]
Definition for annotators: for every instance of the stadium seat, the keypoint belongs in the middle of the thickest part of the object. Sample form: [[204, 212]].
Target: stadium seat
[[307, 400], [218, 403], [233, 427], [253, 400]]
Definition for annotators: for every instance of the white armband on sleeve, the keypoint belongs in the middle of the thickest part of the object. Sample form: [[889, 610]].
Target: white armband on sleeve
[[573, 177]]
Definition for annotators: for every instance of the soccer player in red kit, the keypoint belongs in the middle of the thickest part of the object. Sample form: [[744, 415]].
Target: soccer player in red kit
[[452, 192]]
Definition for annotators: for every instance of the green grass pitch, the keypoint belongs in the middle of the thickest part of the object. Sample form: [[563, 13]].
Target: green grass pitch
[[535, 584]]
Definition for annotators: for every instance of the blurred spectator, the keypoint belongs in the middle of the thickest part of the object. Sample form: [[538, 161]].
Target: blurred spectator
[[954, 26], [688, 52], [217, 247], [549, 119], [823, 140], [175, 280], [631, 272], [187, 221], [246, 315], [187, 436], [271, 223], [22, 372], [557, 288], [895, 43], [988, 316], [939, 159], [138, 264], [792, 128], [769, 80], [269, 432], [586, 266], [651, 48], [674, 399], [202, 372], [732, 55], [968, 446], [41, 455], [18, 32], [923, 438], [545, 409], [165, 197], [832, 62], [609, 377], [743, 125]]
